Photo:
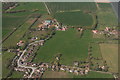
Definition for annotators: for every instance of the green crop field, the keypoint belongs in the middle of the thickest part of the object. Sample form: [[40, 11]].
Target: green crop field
[[69, 6], [106, 16], [69, 44], [75, 18], [110, 54]]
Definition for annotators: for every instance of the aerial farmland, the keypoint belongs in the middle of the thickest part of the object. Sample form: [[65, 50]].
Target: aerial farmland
[[59, 40]]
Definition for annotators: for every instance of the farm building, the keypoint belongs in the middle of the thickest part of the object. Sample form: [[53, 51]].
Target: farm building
[[95, 31], [47, 22]]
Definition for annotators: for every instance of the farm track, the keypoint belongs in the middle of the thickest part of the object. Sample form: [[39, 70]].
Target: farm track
[[47, 8]]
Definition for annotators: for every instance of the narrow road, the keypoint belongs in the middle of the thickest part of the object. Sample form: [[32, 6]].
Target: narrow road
[[20, 65]]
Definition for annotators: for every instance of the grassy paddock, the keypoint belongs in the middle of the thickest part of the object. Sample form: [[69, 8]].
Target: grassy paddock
[[17, 74], [7, 20], [17, 35], [106, 16], [71, 46], [0, 66], [75, 18], [30, 6], [70, 6], [6, 58], [18, 18], [110, 54]]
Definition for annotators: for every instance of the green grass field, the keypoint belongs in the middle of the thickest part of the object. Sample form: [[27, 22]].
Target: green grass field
[[96, 53], [69, 6], [51, 74], [106, 16], [69, 44], [31, 6], [10, 22], [96, 50], [0, 66], [18, 18], [17, 74], [110, 54], [6, 58], [75, 18], [17, 35]]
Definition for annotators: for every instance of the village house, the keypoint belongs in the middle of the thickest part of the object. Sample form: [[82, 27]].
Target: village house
[[76, 63], [47, 22], [81, 72], [56, 26], [57, 58], [62, 68], [103, 67], [62, 29], [107, 29], [34, 38], [41, 42], [76, 71], [86, 71], [115, 32], [79, 29], [95, 31], [20, 43], [71, 70]]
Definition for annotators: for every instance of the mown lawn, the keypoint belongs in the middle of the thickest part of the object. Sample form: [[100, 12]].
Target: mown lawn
[[110, 54], [69, 44], [75, 18]]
